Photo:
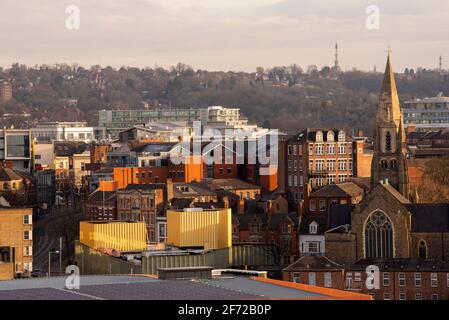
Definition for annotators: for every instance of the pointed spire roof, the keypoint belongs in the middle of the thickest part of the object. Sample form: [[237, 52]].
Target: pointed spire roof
[[389, 108]]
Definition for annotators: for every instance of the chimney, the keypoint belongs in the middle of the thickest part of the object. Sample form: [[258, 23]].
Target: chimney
[[360, 133], [169, 190], [226, 201]]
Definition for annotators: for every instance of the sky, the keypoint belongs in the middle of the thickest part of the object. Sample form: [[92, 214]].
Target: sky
[[236, 35]]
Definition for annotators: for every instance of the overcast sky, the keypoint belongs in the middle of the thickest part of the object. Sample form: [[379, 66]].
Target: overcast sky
[[225, 34]]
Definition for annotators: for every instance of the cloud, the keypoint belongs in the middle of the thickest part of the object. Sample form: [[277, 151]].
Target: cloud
[[226, 35]]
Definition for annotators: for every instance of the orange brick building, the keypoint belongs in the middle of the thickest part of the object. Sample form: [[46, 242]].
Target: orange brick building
[[16, 242]]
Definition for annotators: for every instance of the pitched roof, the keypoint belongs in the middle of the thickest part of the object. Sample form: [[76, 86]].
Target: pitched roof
[[246, 218], [305, 221], [146, 187], [69, 148], [7, 174], [231, 184], [277, 218], [193, 189], [345, 189], [395, 193], [402, 265], [309, 135], [98, 196], [315, 263]]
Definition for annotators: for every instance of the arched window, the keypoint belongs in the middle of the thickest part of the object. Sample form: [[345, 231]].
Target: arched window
[[378, 237], [388, 141], [341, 136], [330, 136], [384, 164], [319, 136], [313, 228], [393, 164], [422, 249]]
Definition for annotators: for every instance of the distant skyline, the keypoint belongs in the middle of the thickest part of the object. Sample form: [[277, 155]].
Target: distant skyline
[[236, 35]]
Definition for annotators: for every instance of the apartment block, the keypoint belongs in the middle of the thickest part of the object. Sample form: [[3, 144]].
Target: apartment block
[[16, 242]]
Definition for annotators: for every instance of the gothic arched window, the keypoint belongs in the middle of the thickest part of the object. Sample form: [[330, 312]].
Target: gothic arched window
[[319, 136], [388, 142], [422, 249], [393, 164], [384, 164], [378, 237]]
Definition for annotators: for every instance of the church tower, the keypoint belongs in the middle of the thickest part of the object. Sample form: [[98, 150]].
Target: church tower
[[389, 158]]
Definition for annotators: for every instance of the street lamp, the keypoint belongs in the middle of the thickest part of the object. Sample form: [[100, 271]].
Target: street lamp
[[49, 260]]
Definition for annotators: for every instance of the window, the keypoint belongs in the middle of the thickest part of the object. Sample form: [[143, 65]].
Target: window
[[330, 136], [313, 228], [312, 278], [294, 149], [27, 251], [330, 149], [357, 276], [341, 136], [402, 279], [422, 249], [349, 280], [418, 280], [418, 296], [328, 280], [434, 280], [386, 278], [331, 165], [378, 237], [27, 235], [313, 247], [296, 277], [402, 296], [341, 149], [27, 219], [319, 136], [312, 205], [388, 142], [434, 296], [386, 296], [322, 205], [289, 150], [342, 165]]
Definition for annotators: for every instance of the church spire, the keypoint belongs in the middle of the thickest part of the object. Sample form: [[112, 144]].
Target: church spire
[[389, 97], [389, 158]]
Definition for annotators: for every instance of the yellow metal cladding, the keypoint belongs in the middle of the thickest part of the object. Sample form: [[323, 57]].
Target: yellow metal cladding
[[122, 236], [211, 229]]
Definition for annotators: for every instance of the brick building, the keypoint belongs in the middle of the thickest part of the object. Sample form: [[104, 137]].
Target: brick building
[[16, 242], [408, 242], [140, 203], [318, 157]]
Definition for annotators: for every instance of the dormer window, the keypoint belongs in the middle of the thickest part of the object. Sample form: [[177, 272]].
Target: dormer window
[[330, 136], [313, 228], [319, 136], [341, 136]]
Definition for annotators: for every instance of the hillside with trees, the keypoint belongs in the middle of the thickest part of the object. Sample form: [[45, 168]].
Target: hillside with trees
[[288, 98]]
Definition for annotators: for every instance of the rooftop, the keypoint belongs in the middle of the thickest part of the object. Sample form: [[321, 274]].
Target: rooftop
[[127, 287]]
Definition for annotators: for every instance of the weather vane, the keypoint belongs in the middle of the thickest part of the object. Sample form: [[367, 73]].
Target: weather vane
[[389, 50]]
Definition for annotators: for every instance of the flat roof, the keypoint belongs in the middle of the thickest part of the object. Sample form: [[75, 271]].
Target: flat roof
[[141, 287]]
